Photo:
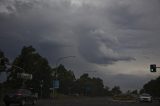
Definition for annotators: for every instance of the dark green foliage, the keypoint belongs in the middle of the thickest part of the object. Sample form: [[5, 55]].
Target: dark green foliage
[[89, 86], [107, 91], [3, 62], [116, 90], [152, 87], [31, 62], [3, 68], [66, 79], [134, 92]]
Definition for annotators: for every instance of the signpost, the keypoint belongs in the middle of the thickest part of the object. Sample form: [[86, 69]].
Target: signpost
[[41, 85], [24, 76], [55, 84]]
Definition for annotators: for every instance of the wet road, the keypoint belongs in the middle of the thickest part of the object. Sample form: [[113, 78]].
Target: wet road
[[89, 102], [93, 102]]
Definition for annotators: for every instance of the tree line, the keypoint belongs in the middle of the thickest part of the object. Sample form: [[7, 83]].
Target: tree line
[[31, 62], [152, 87]]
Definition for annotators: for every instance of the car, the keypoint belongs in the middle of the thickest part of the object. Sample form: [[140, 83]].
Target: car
[[145, 98], [20, 96]]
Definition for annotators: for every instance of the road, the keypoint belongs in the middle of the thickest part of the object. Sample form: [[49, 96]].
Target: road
[[89, 102], [92, 102]]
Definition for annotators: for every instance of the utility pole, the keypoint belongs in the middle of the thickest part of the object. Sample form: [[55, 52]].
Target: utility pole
[[41, 85]]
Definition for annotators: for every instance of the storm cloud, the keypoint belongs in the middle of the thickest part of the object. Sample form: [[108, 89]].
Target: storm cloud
[[100, 33]]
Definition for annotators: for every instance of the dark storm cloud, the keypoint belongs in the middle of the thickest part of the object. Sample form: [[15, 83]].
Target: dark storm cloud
[[97, 32], [98, 50], [22, 26]]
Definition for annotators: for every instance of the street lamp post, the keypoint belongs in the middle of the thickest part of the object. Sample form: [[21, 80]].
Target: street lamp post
[[41, 85]]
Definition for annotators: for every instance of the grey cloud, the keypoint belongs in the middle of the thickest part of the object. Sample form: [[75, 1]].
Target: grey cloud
[[98, 32], [9, 7], [91, 49], [56, 25], [126, 81]]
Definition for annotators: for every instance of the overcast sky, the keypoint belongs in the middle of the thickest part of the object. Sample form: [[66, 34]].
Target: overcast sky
[[115, 40]]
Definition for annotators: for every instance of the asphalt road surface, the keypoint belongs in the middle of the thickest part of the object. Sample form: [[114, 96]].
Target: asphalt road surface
[[89, 102]]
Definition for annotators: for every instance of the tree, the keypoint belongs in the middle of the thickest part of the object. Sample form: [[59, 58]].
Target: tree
[[152, 87], [107, 91], [134, 92], [66, 78], [83, 85], [3, 62], [116, 90], [88, 86], [3, 68], [98, 87], [29, 61]]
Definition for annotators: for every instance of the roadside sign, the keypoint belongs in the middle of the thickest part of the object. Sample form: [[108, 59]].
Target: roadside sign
[[56, 84], [24, 76], [3, 77]]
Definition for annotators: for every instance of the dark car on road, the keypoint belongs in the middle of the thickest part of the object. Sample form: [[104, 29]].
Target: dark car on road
[[21, 97]]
